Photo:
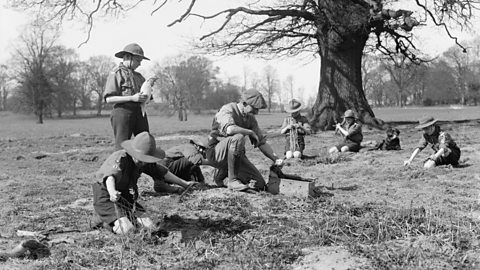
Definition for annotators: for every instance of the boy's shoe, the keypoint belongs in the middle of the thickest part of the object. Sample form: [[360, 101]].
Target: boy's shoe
[[236, 185], [219, 176], [95, 222]]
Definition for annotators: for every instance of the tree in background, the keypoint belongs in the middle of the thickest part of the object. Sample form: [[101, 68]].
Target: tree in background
[[32, 55], [3, 87], [465, 67], [373, 79], [405, 75], [222, 94], [288, 84], [440, 85], [84, 94], [97, 69], [336, 30], [270, 84], [62, 65], [458, 60], [194, 76], [186, 83], [473, 76]]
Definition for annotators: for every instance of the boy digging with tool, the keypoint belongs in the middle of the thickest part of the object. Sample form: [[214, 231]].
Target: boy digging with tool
[[112, 199], [445, 149]]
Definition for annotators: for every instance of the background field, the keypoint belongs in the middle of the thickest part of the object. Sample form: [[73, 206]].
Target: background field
[[368, 212], [24, 126]]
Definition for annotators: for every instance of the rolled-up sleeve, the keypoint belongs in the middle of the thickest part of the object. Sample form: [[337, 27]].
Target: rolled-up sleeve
[[284, 124], [422, 143], [113, 85], [224, 118]]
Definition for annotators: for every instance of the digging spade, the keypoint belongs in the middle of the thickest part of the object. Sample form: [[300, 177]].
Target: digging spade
[[283, 175], [341, 124]]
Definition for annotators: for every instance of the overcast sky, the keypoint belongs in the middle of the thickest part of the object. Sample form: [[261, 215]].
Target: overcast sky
[[160, 41]]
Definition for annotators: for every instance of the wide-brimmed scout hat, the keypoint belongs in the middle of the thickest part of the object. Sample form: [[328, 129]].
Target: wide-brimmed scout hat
[[200, 141], [349, 114], [254, 99], [133, 49], [143, 148], [426, 121], [293, 106]]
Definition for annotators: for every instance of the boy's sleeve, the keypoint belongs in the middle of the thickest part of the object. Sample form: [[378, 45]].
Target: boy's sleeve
[[354, 129], [284, 123], [112, 86], [224, 119], [306, 126], [446, 142], [111, 167], [422, 143]]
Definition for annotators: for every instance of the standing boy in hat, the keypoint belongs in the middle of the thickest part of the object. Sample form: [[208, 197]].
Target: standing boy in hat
[[112, 199], [295, 127], [184, 160], [232, 125], [352, 133], [445, 149], [123, 90]]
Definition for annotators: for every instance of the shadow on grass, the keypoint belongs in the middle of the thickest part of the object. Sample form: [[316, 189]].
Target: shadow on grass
[[345, 188], [204, 228], [197, 187], [462, 165]]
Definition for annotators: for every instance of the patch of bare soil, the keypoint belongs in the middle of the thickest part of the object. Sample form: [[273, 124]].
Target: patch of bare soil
[[370, 212], [329, 258]]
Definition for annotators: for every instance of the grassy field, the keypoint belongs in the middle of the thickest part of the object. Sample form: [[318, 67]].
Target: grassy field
[[368, 212], [24, 126]]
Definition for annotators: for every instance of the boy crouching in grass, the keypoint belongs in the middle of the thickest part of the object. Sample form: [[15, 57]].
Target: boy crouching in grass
[[119, 174], [445, 149]]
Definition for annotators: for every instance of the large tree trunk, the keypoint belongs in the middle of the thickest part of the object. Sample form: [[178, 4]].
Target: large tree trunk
[[340, 86]]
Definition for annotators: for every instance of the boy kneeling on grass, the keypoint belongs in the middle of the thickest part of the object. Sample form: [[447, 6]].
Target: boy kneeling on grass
[[119, 174], [445, 149], [184, 160]]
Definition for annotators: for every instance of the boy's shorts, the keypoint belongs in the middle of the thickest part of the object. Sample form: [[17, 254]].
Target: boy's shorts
[[352, 147], [452, 158], [106, 208]]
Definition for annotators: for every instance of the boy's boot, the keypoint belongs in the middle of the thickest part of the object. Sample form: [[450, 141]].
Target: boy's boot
[[233, 167]]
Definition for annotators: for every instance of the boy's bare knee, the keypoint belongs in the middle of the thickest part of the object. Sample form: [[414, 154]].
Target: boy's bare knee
[[146, 223], [344, 149], [122, 225], [333, 150], [429, 164]]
